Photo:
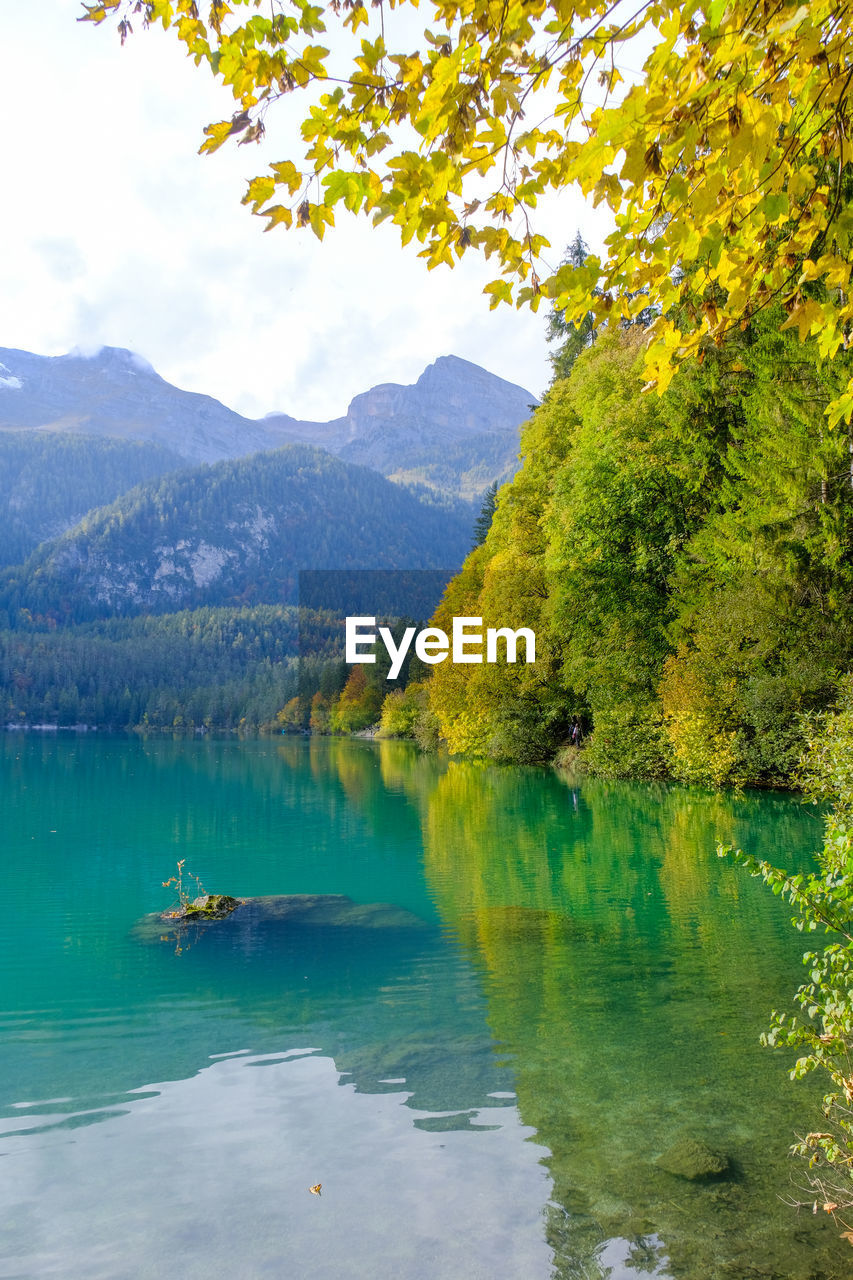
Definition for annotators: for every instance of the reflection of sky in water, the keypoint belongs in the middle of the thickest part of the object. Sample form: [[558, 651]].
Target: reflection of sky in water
[[619, 1259], [571, 966], [211, 1175]]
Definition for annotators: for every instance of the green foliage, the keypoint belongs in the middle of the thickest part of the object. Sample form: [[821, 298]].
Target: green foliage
[[697, 710], [465, 467], [621, 509], [510, 712], [405, 713], [823, 900], [580, 550], [763, 599], [572, 339], [725, 162], [483, 523], [628, 742], [686, 562], [49, 481], [209, 668]]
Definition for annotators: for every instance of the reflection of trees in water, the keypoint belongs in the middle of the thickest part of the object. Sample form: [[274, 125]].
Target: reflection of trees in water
[[628, 974], [624, 971]]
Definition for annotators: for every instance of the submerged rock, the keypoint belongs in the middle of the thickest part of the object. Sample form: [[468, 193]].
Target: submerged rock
[[691, 1159], [272, 915]]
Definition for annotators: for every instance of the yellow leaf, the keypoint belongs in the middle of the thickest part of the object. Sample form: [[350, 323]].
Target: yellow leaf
[[216, 135], [806, 315]]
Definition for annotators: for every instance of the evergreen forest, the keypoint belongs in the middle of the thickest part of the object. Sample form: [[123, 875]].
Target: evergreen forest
[[50, 480], [235, 533], [219, 669], [174, 606]]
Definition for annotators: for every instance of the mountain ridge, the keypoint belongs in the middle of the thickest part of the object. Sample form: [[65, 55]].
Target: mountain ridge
[[455, 429]]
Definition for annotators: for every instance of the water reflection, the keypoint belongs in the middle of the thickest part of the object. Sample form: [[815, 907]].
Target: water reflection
[[627, 974], [575, 952], [211, 1176]]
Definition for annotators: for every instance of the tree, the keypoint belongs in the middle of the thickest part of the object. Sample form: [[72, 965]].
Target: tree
[[763, 597], [572, 338], [483, 523], [686, 562], [358, 705], [402, 711], [726, 164]]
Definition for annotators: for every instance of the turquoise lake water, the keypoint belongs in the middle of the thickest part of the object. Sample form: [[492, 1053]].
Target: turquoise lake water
[[536, 989]]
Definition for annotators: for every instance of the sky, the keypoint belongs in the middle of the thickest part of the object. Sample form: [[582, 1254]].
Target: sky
[[116, 232]]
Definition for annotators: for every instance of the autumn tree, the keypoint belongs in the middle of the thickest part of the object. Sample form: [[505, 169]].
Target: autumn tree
[[358, 705], [724, 161]]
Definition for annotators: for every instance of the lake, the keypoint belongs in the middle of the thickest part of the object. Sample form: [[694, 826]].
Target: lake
[[532, 990]]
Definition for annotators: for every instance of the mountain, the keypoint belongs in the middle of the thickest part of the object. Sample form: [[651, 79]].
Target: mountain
[[48, 482], [234, 533], [456, 429], [118, 394]]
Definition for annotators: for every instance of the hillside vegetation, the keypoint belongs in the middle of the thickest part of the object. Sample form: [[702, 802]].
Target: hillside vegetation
[[686, 562], [236, 533], [50, 480], [206, 668]]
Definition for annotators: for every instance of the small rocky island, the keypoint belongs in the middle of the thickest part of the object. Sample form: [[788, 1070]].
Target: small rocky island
[[232, 916], [207, 906]]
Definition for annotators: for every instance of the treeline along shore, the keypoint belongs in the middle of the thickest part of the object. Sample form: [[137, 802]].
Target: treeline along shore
[[685, 560]]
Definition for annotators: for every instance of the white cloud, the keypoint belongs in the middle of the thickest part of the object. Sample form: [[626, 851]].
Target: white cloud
[[87, 350], [118, 233]]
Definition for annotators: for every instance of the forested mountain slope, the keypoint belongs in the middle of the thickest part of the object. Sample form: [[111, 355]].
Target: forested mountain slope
[[686, 561], [234, 533], [212, 668], [49, 481]]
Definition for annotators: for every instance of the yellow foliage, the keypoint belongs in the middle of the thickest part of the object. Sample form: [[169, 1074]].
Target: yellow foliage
[[358, 705], [695, 721], [320, 712], [726, 157], [290, 715], [402, 710]]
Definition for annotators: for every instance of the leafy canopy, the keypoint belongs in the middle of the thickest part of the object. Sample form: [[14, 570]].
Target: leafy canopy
[[726, 163]]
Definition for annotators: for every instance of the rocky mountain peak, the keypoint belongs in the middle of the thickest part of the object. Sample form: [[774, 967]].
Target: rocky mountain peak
[[454, 429]]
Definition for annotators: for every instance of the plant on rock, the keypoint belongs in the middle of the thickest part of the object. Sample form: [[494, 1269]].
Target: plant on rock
[[201, 906]]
